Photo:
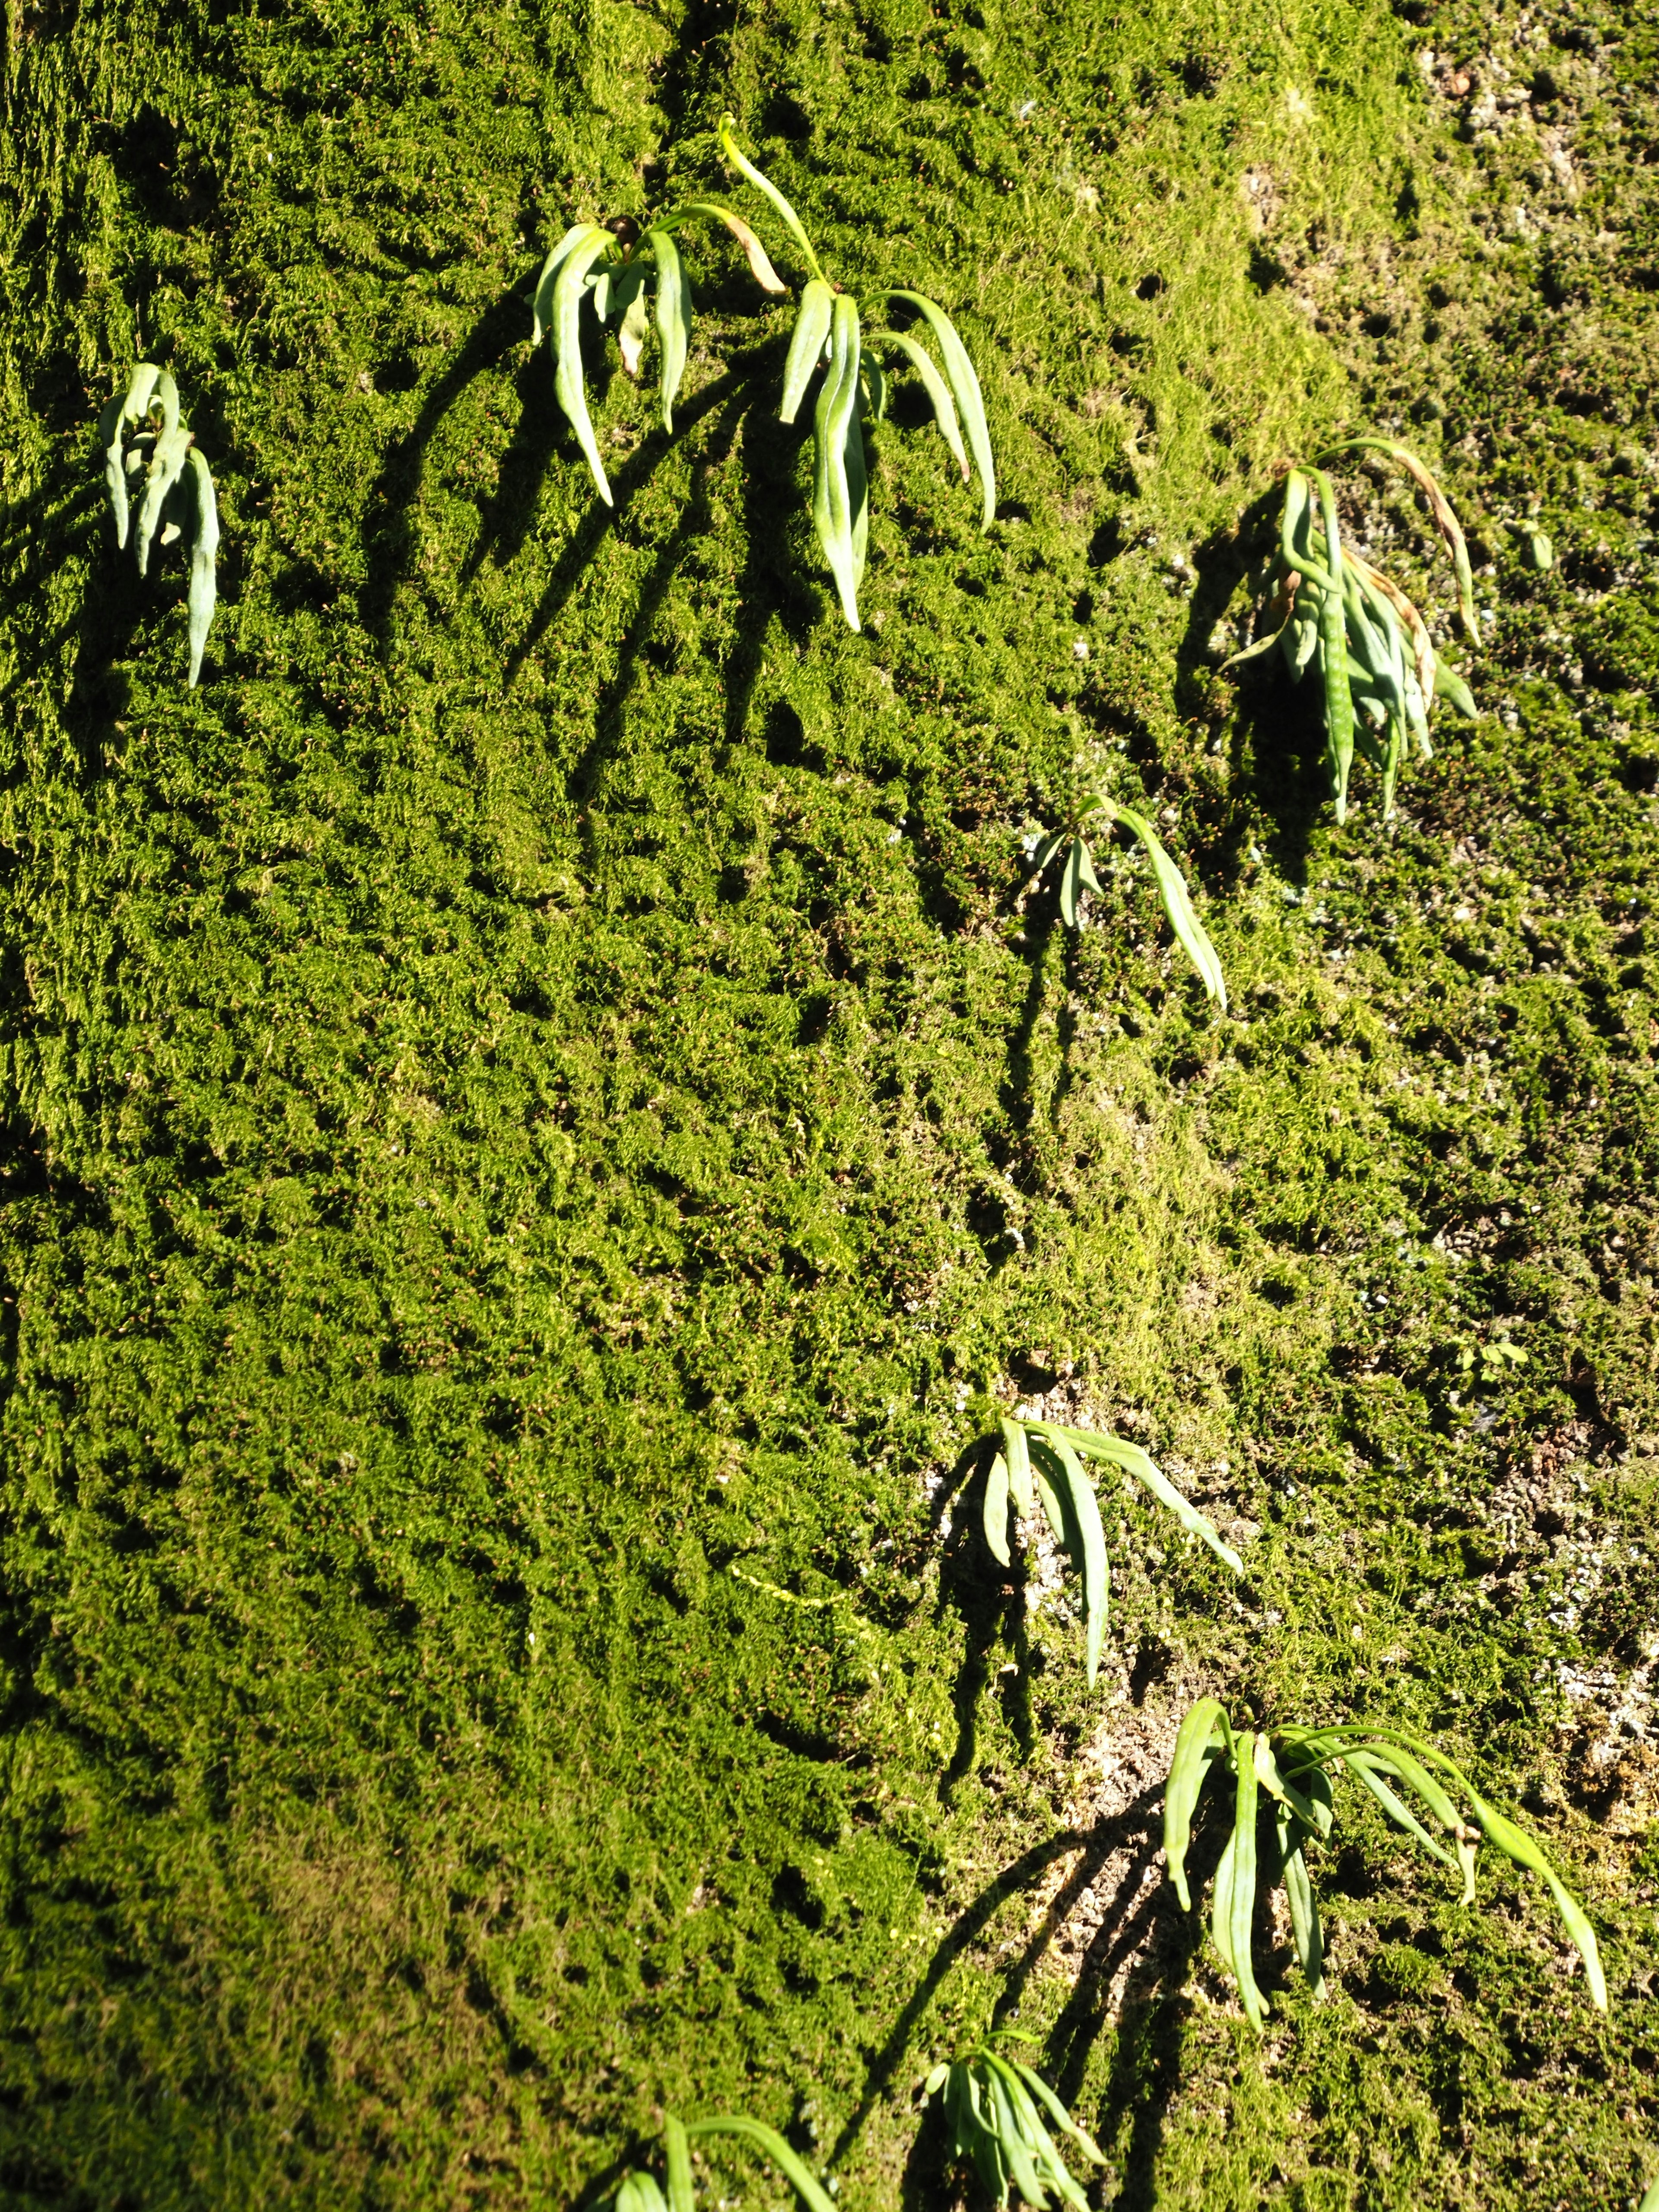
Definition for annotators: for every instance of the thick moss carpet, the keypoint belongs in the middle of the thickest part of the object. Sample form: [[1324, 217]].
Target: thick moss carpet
[[532, 1118]]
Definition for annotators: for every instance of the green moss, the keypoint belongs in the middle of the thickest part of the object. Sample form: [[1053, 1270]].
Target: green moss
[[525, 1091]]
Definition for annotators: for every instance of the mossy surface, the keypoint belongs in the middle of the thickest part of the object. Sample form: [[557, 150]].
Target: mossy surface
[[532, 1090]]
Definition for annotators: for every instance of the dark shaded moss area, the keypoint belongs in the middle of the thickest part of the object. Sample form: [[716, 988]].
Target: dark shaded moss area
[[530, 1090]]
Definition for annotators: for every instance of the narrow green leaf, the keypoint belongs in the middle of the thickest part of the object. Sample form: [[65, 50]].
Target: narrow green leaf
[[1202, 1737], [807, 345], [1444, 519], [1011, 2137], [1133, 1460], [673, 318], [1295, 524], [1177, 905], [1339, 704], [1019, 1455], [166, 464], [1516, 1844], [1260, 647], [542, 304], [1241, 1901], [833, 513], [203, 558], [745, 167], [1071, 881], [996, 1510], [875, 387], [636, 326], [681, 2196], [110, 425], [1221, 1903], [944, 412], [1302, 634], [568, 386], [1087, 1545], [639, 2193], [1359, 1764], [1306, 1933], [1039, 2089], [755, 254], [810, 2192], [1449, 685], [964, 387]]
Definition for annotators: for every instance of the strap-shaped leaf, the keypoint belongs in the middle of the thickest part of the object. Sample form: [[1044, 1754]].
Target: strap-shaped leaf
[[1045, 2152], [1241, 1885], [1300, 640], [634, 327], [1011, 2135], [130, 410], [753, 253], [945, 411], [1078, 876], [1295, 528], [1189, 931], [875, 388], [810, 2191], [1259, 647], [639, 2193], [1445, 520], [1201, 1739], [1516, 1844], [542, 303], [1133, 1460], [996, 1510], [807, 345], [745, 167], [858, 485], [1306, 1933], [1017, 1454], [1449, 685], [1362, 1764], [1073, 1513], [568, 386], [681, 2196], [833, 514], [959, 374], [1039, 2089], [1339, 704], [203, 558], [673, 318], [166, 464]]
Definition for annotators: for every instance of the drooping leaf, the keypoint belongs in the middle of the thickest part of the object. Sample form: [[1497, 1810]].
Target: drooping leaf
[[1017, 1454], [964, 387], [166, 464], [1074, 1515], [763, 184], [944, 412], [673, 318], [1189, 931], [1202, 1737], [793, 2169], [542, 303], [677, 2158], [996, 1510], [807, 345], [755, 254], [569, 384], [203, 558], [834, 516]]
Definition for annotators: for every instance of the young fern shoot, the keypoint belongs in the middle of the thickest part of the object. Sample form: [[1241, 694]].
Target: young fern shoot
[[829, 333], [1001, 2113], [1287, 1773], [640, 2191], [1098, 813], [150, 454], [637, 279], [1042, 1461], [1379, 671]]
